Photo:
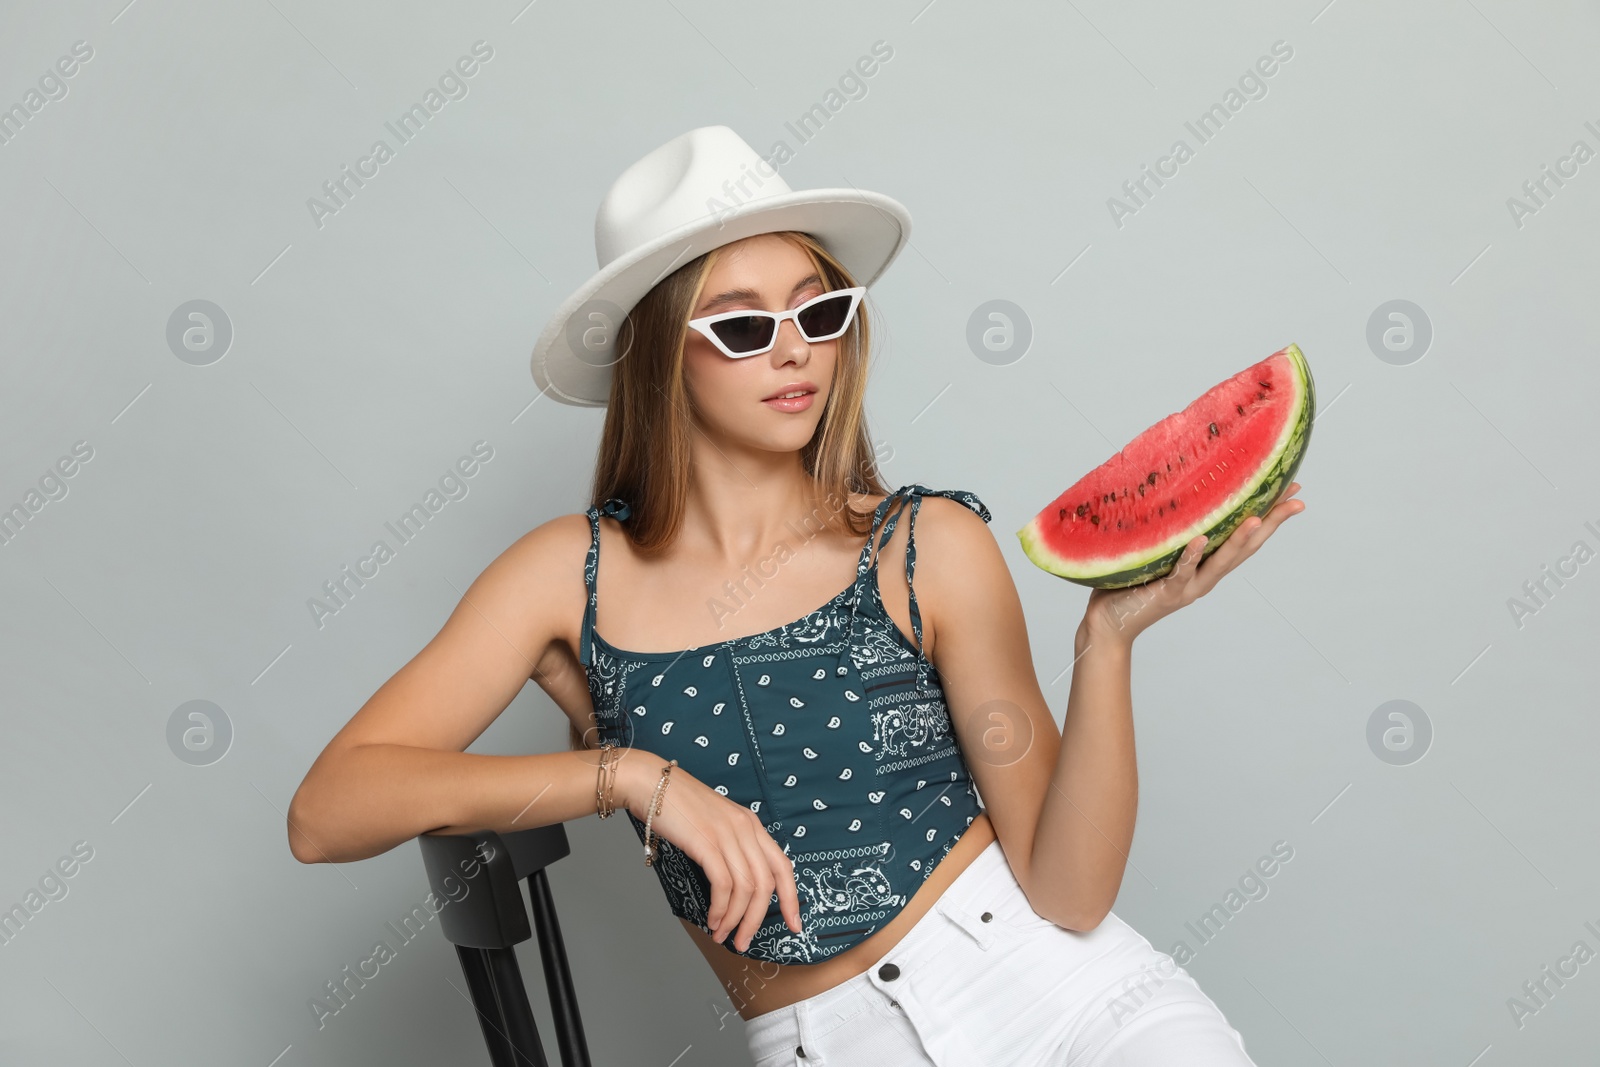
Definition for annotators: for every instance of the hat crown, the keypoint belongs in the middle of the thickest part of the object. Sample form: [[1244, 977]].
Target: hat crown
[[683, 182]]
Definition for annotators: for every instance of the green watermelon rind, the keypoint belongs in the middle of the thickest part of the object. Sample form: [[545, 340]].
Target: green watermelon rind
[[1257, 497]]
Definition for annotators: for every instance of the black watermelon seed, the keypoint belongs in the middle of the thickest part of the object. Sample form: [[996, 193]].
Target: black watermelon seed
[[1239, 408], [1081, 509], [1119, 524], [1151, 478], [1169, 466], [1061, 516], [1095, 519], [1141, 489], [1265, 385], [1174, 505], [1213, 428], [1260, 395]]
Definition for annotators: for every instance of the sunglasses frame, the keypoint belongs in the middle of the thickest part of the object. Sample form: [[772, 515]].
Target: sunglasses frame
[[703, 325]]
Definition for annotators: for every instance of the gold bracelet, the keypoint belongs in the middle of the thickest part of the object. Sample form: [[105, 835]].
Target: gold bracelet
[[609, 754], [611, 779], [655, 809]]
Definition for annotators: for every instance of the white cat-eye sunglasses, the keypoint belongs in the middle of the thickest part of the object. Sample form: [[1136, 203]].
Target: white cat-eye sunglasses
[[738, 334]]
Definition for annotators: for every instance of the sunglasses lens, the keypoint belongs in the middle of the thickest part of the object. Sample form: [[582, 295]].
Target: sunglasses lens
[[826, 318], [747, 333]]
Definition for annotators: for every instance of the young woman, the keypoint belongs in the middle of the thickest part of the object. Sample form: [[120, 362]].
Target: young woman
[[805, 780]]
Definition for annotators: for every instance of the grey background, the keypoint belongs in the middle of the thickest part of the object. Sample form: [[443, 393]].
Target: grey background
[[370, 353]]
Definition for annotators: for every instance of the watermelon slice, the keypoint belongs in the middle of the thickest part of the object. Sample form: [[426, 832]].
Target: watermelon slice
[[1202, 470]]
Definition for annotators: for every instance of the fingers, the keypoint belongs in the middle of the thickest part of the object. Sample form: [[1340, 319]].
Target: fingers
[[761, 887], [1239, 544], [783, 878], [752, 883], [733, 892], [776, 875], [720, 863], [1250, 535], [1261, 529], [743, 887], [721, 879], [1187, 563], [1179, 579], [745, 868]]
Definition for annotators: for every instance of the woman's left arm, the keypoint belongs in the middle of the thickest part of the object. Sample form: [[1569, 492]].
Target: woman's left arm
[[1062, 803]]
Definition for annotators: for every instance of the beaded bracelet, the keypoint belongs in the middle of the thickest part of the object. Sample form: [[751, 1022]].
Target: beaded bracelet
[[655, 809]]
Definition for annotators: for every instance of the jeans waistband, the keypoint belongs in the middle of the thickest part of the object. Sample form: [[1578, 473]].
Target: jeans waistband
[[791, 1025]]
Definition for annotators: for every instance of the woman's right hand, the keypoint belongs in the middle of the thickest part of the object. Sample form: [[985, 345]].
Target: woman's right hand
[[742, 862]]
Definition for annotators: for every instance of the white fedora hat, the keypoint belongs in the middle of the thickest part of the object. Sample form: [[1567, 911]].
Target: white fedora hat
[[701, 189]]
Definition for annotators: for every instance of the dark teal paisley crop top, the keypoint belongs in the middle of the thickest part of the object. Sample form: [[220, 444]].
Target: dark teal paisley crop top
[[832, 728]]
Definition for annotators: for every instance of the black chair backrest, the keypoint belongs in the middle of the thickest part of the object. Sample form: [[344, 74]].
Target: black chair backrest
[[482, 870], [477, 878]]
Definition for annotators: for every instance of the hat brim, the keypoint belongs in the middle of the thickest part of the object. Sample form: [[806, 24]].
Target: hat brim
[[864, 231]]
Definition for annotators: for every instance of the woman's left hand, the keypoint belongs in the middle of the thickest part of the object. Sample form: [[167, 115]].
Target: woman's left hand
[[1122, 614]]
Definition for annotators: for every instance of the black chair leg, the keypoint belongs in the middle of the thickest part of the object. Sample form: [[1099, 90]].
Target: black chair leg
[[520, 1028], [572, 1045], [481, 985]]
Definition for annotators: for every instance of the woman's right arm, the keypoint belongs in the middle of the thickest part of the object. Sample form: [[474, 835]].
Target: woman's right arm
[[398, 768]]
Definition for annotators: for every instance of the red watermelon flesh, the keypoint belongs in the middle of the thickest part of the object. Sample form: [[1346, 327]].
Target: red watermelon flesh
[[1203, 470]]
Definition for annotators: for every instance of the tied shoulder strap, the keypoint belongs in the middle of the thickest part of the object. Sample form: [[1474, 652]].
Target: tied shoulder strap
[[618, 509], [914, 492]]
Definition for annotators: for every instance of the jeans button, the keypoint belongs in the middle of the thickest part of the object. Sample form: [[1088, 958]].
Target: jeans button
[[800, 1050], [888, 972], [987, 916]]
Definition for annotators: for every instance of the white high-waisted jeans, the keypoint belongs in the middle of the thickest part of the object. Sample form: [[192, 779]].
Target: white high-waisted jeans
[[981, 980]]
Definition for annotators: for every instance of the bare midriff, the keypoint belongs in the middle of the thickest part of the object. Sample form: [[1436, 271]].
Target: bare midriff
[[758, 986]]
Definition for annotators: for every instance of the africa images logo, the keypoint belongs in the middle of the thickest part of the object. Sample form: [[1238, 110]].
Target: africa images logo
[[451, 86]]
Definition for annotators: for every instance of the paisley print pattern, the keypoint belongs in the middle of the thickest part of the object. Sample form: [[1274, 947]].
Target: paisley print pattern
[[900, 728], [849, 892], [832, 728]]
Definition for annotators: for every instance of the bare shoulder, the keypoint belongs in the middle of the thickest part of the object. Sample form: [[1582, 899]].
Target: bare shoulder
[[950, 514], [957, 560], [524, 612], [950, 536], [550, 547], [948, 526], [960, 566], [528, 607], [543, 572]]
